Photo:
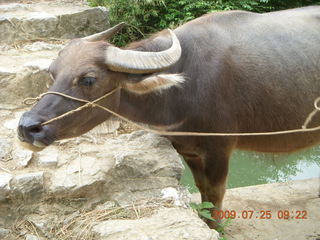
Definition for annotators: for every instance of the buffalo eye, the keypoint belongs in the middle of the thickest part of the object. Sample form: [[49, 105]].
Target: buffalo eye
[[87, 81]]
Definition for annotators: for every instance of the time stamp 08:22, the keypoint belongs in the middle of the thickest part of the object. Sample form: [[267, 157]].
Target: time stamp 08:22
[[262, 214]]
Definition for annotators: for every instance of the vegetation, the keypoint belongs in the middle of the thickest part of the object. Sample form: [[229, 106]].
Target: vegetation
[[149, 16], [204, 210]]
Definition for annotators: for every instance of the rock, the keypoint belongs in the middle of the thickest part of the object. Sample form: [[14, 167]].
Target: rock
[[106, 205], [277, 198], [4, 232], [38, 64], [41, 46], [48, 157], [22, 79], [6, 76], [6, 47], [22, 156], [118, 171], [167, 223], [144, 165], [181, 197], [82, 176], [5, 179], [46, 20], [42, 224], [109, 126], [124, 168], [12, 123], [5, 148], [71, 217], [13, 7], [28, 185], [31, 237]]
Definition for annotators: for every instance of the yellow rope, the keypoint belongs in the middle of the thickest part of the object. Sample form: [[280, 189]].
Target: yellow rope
[[312, 114], [30, 101]]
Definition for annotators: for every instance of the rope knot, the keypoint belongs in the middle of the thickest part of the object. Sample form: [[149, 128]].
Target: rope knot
[[312, 114], [316, 104], [91, 104], [31, 101]]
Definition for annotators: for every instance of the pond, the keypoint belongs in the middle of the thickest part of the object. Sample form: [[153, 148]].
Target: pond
[[249, 168]]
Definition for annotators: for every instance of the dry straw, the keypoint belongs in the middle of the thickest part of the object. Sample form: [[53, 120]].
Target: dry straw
[[80, 226]]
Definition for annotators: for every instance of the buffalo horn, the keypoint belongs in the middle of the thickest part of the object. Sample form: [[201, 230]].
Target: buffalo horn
[[130, 61], [105, 34]]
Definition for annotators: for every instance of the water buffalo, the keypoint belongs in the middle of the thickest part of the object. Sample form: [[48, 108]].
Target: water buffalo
[[232, 71]]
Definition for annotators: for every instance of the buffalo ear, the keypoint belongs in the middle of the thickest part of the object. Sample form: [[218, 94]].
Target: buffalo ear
[[155, 83]]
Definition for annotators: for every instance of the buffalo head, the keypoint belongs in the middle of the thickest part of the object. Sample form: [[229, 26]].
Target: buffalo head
[[88, 68]]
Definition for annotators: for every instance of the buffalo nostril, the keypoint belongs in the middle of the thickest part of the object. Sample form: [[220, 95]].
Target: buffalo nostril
[[35, 129]]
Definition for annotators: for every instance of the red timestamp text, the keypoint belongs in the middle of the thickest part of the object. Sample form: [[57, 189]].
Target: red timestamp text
[[261, 214]]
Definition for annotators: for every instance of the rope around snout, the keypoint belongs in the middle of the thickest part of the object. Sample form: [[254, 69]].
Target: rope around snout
[[92, 104], [31, 101]]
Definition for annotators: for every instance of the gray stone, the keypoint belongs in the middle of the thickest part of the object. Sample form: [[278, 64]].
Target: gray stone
[[124, 168], [5, 179], [180, 196], [38, 64], [71, 217], [42, 224], [22, 156], [167, 223], [5, 148], [28, 79], [12, 123], [106, 205], [41, 46], [19, 76], [46, 20], [22, 81], [82, 176], [6, 76], [4, 232], [48, 157], [13, 7], [109, 126], [145, 164], [28, 185], [6, 47], [292, 196], [31, 237]]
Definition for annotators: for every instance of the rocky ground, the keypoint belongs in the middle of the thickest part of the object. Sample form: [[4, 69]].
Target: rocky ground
[[106, 184]]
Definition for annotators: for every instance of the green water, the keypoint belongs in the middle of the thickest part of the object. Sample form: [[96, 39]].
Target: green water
[[248, 168]]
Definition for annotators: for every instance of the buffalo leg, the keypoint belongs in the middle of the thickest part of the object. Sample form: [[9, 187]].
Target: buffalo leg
[[196, 164], [209, 166], [215, 174], [211, 184]]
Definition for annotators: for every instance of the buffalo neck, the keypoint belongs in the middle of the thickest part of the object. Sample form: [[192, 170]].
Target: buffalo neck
[[158, 109], [155, 108]]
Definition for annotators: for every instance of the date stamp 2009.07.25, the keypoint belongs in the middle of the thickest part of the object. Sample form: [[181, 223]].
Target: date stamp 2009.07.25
[[260, 214]]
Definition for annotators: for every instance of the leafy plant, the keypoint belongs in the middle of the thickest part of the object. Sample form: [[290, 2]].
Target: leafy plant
[[221, 227], [204, 210], [149, 16]]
